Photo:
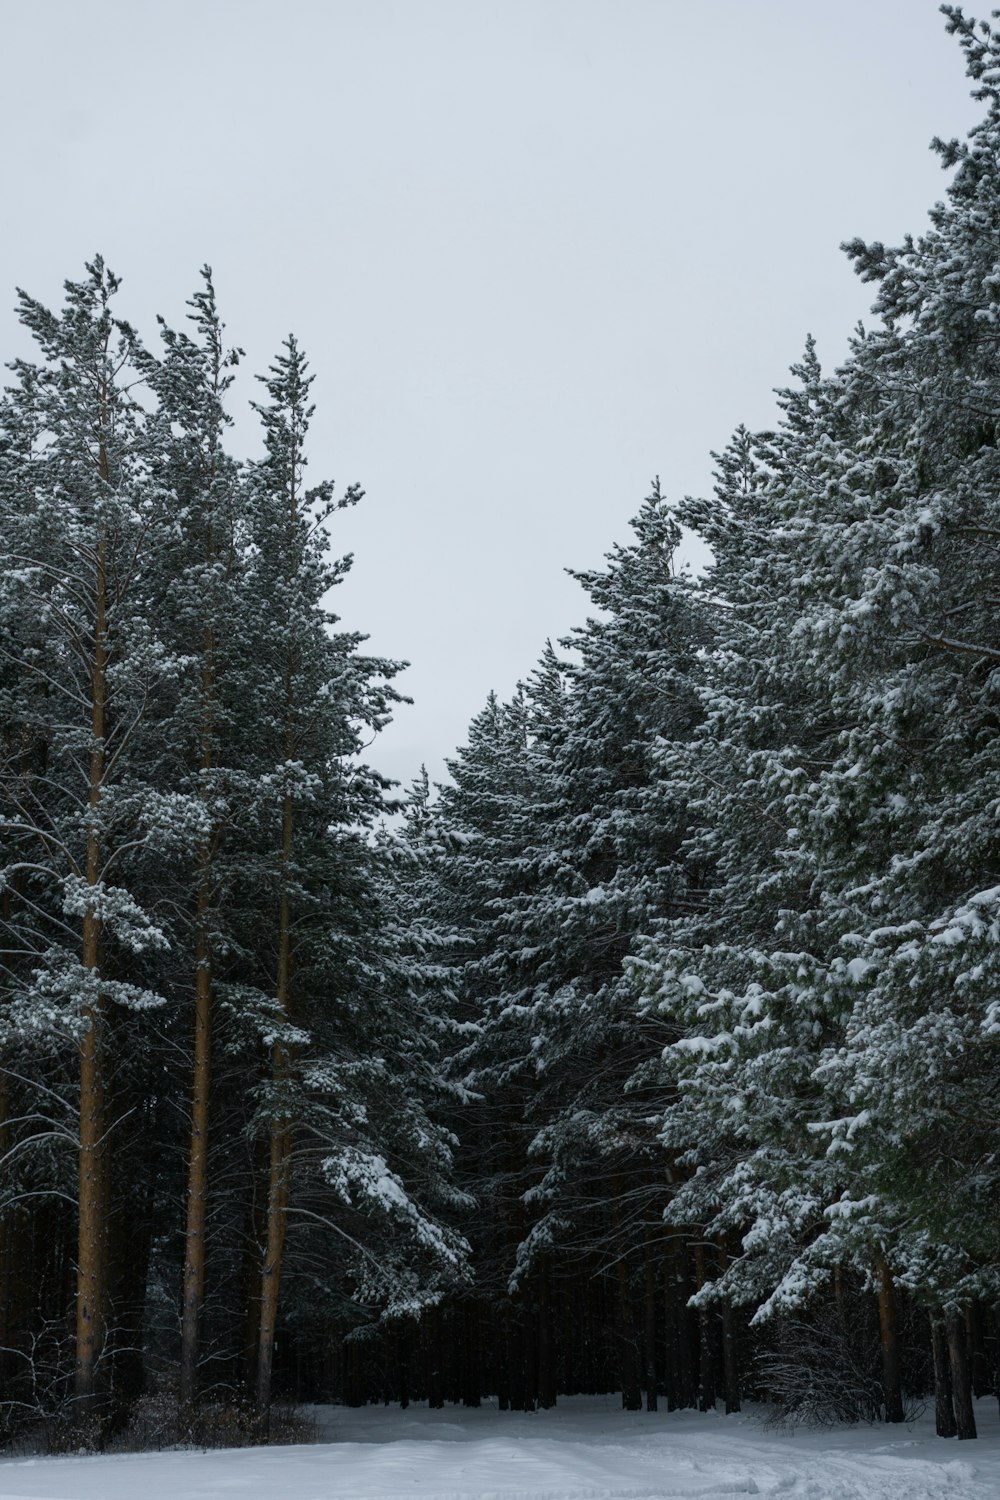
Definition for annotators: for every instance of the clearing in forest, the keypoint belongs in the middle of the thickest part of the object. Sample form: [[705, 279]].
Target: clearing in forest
[[583, 1450]]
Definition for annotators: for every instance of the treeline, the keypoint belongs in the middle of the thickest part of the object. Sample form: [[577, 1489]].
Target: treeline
[[657, 1052], [728, 873], [216, 1054]]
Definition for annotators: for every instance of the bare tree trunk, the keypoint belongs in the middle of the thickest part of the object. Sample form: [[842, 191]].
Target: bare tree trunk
[[961, 1385], [195, 1247], [706, 1383], [521, 1395], [281, 1137], [979, 1364], [197, 1184], [546, 1350], [730, 1345], [944, 1415], [256, 1231], [840, 1300], [629, 1374], [92, 1247], [649, 1300], [131, 1230], [501, 1343], [682, 1389], [435, 1358], [889, 1335], [277, 1204]]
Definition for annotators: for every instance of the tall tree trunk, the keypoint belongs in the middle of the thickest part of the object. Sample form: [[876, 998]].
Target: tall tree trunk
[[402, 1365], [131, 1236], [270, 1279], [706, 1335], [682, 1390], [521, 1398], [649, 1320], [730, 1345], [435, 1359], [961, 1384], [629, 1374], [889, 1336], [197, 1184], [979, 1364], [195, 1245], [944, 1414], [92, 1239], [631, 1382], [256, 1230], [546, 1350], [501, 1343], [279, 1177], [840, 1301]]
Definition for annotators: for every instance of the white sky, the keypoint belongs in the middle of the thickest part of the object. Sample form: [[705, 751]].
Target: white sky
[[537, 251]]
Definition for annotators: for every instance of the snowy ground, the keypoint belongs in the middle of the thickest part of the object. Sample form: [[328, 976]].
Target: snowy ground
[[585, 1450]]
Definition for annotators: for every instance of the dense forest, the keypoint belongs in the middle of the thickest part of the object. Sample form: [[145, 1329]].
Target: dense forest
[[658, 1051]]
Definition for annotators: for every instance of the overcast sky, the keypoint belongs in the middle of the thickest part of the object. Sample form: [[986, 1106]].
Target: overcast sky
[[537, 250]]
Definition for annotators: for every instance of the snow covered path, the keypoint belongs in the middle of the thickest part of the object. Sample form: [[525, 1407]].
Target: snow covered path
[[585, 1450]]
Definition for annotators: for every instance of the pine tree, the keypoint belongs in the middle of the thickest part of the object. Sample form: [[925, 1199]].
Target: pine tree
[[200, 602], [83, 533]]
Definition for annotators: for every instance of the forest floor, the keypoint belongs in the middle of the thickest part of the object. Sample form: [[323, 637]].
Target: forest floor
[[586, 1449]]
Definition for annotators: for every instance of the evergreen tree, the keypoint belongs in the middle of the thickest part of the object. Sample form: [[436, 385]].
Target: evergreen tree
[[203, 591], [83, 530]]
